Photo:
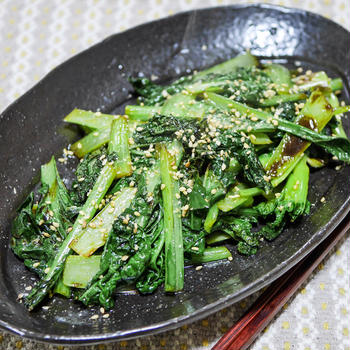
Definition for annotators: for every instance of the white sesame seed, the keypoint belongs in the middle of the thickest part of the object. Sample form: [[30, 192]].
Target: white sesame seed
[[323, 199], [230, 258], [267, 178], [94, 317], [199, 267], [125, 257], [195, 248]]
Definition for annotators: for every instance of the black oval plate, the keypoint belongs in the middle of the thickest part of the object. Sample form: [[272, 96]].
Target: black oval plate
[[31, 129]]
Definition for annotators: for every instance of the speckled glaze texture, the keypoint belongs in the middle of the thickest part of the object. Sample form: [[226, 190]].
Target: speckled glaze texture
[[31, 130]]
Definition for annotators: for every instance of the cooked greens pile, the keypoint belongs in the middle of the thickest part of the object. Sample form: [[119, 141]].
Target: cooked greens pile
[[221, 155]]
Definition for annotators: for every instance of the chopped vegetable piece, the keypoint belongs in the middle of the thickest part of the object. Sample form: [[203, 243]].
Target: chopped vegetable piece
[[96, 232], [79, 271], [174, 258], [119, 145], [211, 254]]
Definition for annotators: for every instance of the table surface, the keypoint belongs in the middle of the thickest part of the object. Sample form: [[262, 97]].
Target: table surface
[[37, 35]]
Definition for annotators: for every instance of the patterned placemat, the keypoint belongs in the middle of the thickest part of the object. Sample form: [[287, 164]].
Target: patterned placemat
[[37, 35]]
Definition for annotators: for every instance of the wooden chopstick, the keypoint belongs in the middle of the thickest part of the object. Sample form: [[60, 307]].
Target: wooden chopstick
[[244, 332]]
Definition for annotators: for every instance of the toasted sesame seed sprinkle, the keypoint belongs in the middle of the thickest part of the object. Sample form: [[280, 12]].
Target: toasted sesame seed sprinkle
[[267, 178], [94, 317], [195, 248], [323, 199], [230, 258], [125, 257], [199, 267]]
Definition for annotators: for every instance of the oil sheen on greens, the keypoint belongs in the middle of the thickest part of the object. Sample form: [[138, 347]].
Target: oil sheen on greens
[[217, 159]]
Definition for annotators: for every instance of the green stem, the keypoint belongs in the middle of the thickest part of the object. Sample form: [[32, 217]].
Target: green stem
[[336, 84], [96, 233], [211, 217], [79, 271], [119, 144], [275, 100], [91, 142], [217, 237], [174, 255], [61, 288], [211, 254], [142, 113], [91, 120], [99, 190]]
